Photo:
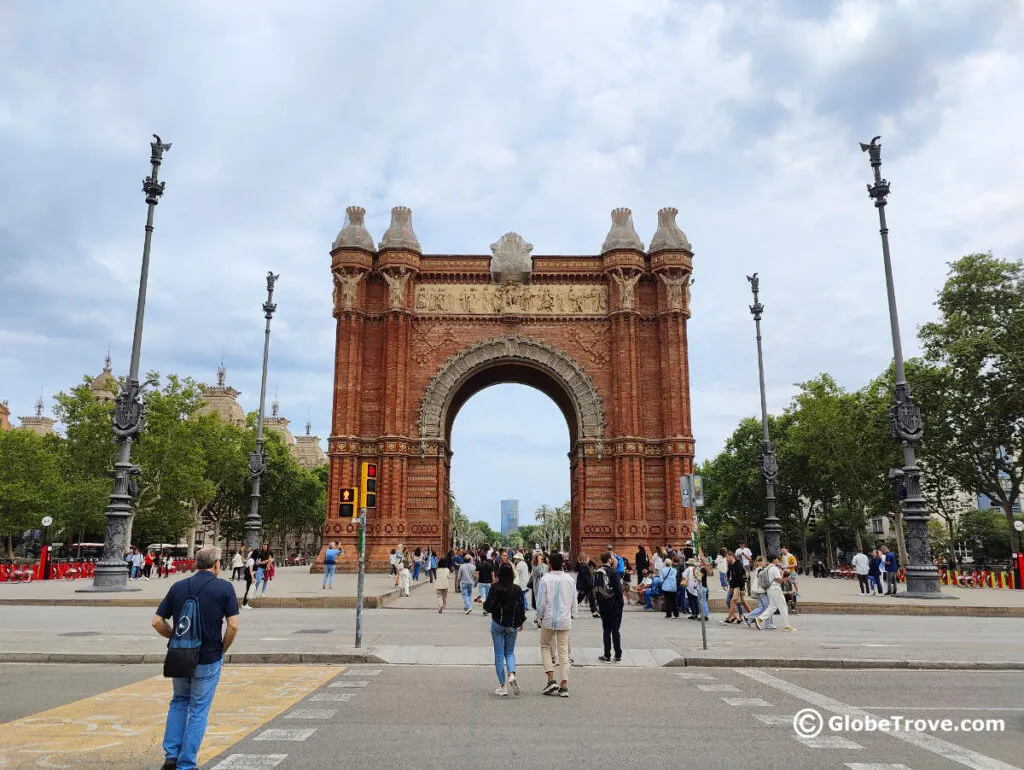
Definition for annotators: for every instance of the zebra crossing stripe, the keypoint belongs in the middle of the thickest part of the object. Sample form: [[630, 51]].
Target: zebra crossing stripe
[[332, 697], [829, 742], [250, 762], [874, 766], [758, 702], [718, 688], [362, 672], [693, 675], [774, 719], [348, 684], [312, 714], [285, 734]]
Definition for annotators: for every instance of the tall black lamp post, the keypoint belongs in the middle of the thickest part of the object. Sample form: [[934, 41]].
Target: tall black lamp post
[[111, 574], [767, 462], [258, 460], [905, 417]]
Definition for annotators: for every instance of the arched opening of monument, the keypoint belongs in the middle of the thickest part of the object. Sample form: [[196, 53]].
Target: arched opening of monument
[[510, 441]]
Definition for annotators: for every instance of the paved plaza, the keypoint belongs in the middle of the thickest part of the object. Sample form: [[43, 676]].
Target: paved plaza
[[295, 587], [427, 717]]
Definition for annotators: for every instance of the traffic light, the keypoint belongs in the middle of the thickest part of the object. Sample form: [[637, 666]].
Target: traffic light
[[347, 507], [368, 485]]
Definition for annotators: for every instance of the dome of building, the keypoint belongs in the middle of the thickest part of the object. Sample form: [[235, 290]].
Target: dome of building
[[221, 400], [104, 387]]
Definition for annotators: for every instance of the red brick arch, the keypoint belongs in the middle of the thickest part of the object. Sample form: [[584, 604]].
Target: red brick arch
[[604, 336]]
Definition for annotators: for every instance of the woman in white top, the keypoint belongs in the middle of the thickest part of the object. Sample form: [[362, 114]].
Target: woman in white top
[[722, 566], [657, 561], [441, 585]]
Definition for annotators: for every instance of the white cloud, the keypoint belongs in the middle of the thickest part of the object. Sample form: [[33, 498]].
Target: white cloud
[[536, 117]]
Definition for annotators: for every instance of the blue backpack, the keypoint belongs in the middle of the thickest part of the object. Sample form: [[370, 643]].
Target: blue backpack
[[186, 638]]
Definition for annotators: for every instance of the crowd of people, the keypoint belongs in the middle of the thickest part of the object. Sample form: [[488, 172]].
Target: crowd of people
[[512, 585], [256, 568]]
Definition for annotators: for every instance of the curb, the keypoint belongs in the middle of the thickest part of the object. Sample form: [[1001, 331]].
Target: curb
[[232, 658], [354, 658], [274, 602], [844, 663]]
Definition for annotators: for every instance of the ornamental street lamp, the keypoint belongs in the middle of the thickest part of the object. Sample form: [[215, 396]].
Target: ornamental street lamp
[[258, 460], [905, 418], [111, 574], [767, 462]]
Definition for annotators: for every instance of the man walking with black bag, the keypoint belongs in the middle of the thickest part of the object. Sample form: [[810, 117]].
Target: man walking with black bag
[[195, 676], [608, 591]]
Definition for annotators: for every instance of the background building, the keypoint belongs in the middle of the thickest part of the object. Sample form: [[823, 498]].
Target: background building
[[509, 516]]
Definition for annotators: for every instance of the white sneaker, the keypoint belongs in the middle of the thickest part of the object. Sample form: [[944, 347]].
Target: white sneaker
[[501, 691], [513, 683]]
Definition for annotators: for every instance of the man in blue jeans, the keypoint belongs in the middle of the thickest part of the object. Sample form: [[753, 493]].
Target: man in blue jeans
[[465, 581], [330, 563], [190, 705]]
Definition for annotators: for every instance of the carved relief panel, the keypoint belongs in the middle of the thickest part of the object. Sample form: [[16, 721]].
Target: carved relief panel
[[490, 299]]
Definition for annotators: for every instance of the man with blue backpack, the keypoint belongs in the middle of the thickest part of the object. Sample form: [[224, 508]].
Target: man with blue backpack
[[195, 650]]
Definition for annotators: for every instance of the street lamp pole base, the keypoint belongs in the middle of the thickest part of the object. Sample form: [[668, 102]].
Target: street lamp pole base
[[109, 578], [924, 586], [920, 595], [111, 589]]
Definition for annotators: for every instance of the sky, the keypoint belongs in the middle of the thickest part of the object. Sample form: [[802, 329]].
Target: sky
[[536, 117]]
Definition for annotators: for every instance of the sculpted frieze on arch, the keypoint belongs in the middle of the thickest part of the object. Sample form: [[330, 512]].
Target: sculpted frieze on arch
[[511, 298]]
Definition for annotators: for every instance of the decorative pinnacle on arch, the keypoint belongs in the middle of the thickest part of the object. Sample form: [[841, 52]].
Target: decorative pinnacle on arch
[[622, 234], [354, 234], [668, 235], [400, 234]]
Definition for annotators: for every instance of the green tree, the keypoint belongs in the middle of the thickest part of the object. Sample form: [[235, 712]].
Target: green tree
[[970, 386], [984, 533], [530, 535], [734, 489], [30, 482]]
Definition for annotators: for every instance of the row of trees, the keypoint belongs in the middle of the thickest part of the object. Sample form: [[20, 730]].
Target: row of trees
[[194, 471], [551, 531], [835, 448]]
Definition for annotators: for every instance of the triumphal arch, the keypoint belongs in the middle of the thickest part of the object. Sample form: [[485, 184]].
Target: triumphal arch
[[603, 335]]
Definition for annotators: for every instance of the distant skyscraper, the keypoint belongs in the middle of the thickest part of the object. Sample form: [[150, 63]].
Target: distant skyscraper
[[509, 516]]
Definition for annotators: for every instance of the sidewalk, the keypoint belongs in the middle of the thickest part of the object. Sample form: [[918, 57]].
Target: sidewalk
[[296, 588], [409, 630], [291, 587]]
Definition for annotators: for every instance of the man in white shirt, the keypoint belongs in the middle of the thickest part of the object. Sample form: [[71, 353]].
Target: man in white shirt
[[776, 599], [556, 607], [744, 554], [861, 565]]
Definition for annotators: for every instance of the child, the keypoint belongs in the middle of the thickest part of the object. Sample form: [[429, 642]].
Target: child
[[404, 579], [627, 579]]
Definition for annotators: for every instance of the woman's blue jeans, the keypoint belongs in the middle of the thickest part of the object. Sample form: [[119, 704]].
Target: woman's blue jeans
[[416, 571], [504, 640], [187, 716]]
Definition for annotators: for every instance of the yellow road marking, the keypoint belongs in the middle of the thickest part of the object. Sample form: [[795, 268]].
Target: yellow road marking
[[125, 727]]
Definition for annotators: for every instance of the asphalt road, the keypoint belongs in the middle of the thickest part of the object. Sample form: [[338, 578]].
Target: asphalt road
[[446, 716], [394, 630]]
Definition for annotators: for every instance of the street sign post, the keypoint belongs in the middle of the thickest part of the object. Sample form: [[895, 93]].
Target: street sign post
[[359, 579]]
